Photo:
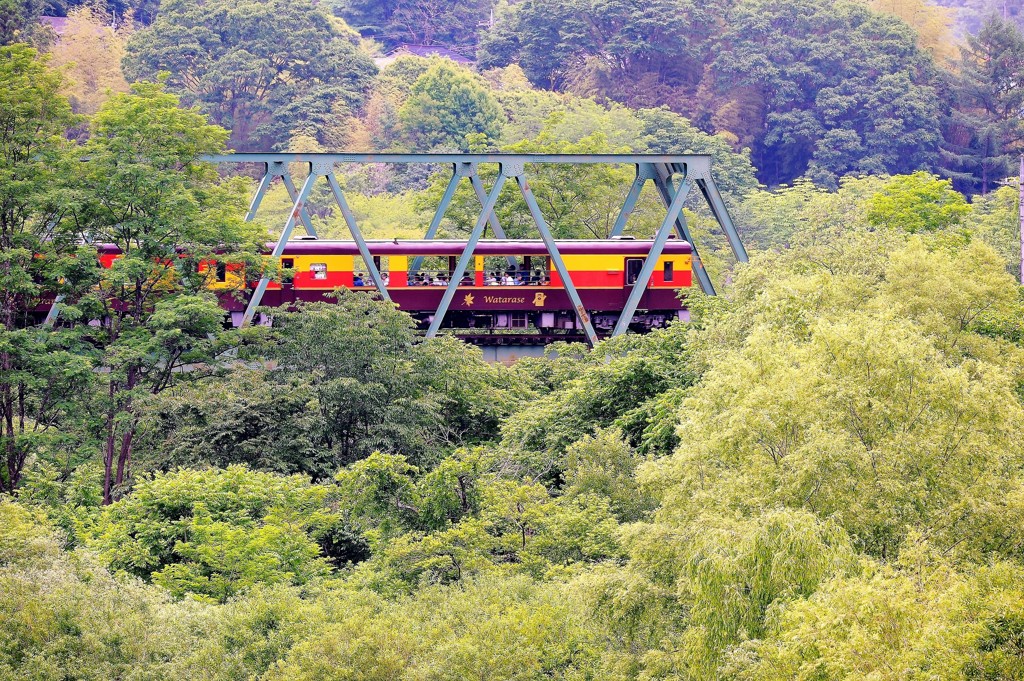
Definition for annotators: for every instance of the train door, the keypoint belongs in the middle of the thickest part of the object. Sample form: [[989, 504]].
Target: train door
[[632, 269]]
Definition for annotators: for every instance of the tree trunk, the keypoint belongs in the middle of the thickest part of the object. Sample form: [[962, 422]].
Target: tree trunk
[[108, 454], [7, 392], [115, 477], [8, 425], [125, 456]]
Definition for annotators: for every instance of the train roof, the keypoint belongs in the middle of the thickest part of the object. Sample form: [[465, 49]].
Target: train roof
[[443, 247], [450, 247]]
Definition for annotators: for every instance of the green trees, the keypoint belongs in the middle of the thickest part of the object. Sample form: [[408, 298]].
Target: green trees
[[19, 20], [38, 374], [984, 133], [351, 378], [818, 477], [376, 385], [827, 79], [67, 617], [215, 533], [447, 104], [438, 22], [917, 203], [144, 190], [825, 462], [639, 54], [262, 70], [811, 87]]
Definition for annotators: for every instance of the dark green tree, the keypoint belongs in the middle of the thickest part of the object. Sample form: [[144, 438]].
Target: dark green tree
[[837, 88], [638, 53], [984, 133], [453, 23], [242, 417], [263, 70], [666, 132], [215, 532], [371, 383], [19, 20]]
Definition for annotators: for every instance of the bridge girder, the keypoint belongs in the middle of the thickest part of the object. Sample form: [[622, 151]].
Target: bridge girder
[[672, 174]]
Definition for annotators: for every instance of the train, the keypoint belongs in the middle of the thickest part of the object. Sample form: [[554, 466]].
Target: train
[[509, 287]]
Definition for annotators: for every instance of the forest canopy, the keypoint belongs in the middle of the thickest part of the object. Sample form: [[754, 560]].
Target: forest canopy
[[817, 477]]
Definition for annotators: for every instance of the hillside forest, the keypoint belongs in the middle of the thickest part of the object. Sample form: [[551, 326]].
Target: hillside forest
[[820, 476]]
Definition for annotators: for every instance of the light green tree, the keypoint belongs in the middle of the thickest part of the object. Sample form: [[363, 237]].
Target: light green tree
[[917, 203], [144, 190], [446, 105], [41, 371], [215, 533]]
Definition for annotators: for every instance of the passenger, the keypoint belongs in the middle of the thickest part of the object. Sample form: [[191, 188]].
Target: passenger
[[358, 280], [507, 280], [439, 280], [491, 279], [385, 278], [466, 280], [536, 278]]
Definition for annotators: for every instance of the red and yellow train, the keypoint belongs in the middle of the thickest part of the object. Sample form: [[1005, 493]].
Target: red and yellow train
[[509, 285]]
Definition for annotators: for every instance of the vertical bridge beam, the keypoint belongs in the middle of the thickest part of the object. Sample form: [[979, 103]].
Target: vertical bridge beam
[[644, 172], [663, 181], [460, 171], [717, 204], [286, 232]]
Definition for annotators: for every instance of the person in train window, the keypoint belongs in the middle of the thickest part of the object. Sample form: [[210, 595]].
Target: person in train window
[[358, 280], [439, 280], [507, 280], [385, 278], [491, 280], [466, 280]]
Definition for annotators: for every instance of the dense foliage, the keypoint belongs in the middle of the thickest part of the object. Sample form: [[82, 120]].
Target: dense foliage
[[819, 477], [263, 70]]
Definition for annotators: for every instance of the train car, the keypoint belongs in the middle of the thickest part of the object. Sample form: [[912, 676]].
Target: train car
[[509, 286]]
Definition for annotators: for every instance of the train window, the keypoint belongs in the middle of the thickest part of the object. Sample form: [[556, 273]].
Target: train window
[[222, 271], [288, 263], [633, 267], [518, 320], [669, 272], [318, 270]]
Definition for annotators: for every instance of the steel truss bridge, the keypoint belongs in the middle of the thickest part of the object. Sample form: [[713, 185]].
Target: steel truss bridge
[[673, 175]]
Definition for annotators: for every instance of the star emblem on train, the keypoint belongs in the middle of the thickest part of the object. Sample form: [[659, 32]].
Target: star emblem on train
[[468, 300]]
